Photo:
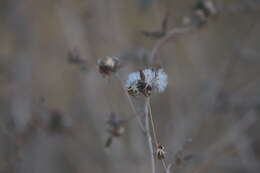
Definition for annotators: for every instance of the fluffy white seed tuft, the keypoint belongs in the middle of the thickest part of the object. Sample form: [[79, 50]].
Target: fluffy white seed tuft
[[157, 79]]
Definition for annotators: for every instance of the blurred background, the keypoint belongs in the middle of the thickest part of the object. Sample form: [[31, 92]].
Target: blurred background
[[54, 103]]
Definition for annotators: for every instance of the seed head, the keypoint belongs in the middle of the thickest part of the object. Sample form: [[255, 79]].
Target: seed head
[[144, 81], [108, 65]]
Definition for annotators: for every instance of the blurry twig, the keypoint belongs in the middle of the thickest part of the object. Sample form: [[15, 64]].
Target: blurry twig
[[202, 11], [171, 34], [158, 34]]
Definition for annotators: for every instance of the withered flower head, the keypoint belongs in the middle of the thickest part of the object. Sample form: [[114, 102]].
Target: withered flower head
[[144, 81], [108, 65], [75, 58], [115, 125], [160, 152], [115, 128], [207, 7], [204, 9]]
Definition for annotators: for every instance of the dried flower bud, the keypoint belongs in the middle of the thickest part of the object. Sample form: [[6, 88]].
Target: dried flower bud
[[75, 58], [116, 131], [160, 152], [115, 128], [203, 10], [201, 16], [144, 81], [211, 7], [108, 65], [207, 7]]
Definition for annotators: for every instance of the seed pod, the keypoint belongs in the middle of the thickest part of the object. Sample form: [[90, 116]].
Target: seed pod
[[160, 152], [108, 65], [75, 58], [145, 81], [202, 11]]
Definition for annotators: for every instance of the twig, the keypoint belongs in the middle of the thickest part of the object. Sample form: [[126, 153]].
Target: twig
[[174, 32], [165, 166]]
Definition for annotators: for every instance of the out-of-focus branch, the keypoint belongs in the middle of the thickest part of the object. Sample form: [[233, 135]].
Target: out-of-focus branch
[[170, 35]]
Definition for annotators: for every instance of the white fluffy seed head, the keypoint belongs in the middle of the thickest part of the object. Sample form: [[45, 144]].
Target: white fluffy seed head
[[157, 79], [108, 65]]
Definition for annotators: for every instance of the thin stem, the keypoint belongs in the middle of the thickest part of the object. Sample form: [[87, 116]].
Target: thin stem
[[174, 32], [164, 165], [149, 112], [166, 168], [132, 106], [149, 137], [152, 121]]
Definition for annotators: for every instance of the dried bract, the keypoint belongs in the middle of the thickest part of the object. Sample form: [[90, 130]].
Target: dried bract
[[204, 9], [201, 12], [160, 152], [108, 65], [115, 128]]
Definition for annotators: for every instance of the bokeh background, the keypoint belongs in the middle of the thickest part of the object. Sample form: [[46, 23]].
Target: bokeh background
[[54, 107]]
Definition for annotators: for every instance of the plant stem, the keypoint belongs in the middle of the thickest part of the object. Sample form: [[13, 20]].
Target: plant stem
[[148, 111], [149, 137], [152, 121], [132, 106], [174, 32], [166, 168]]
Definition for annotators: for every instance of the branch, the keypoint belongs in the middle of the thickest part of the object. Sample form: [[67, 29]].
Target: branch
[[171, 34]]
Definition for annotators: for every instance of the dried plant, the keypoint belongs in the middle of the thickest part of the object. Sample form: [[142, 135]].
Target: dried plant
[[141, 83], [108, 65], [115, 128], [146, 81]]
